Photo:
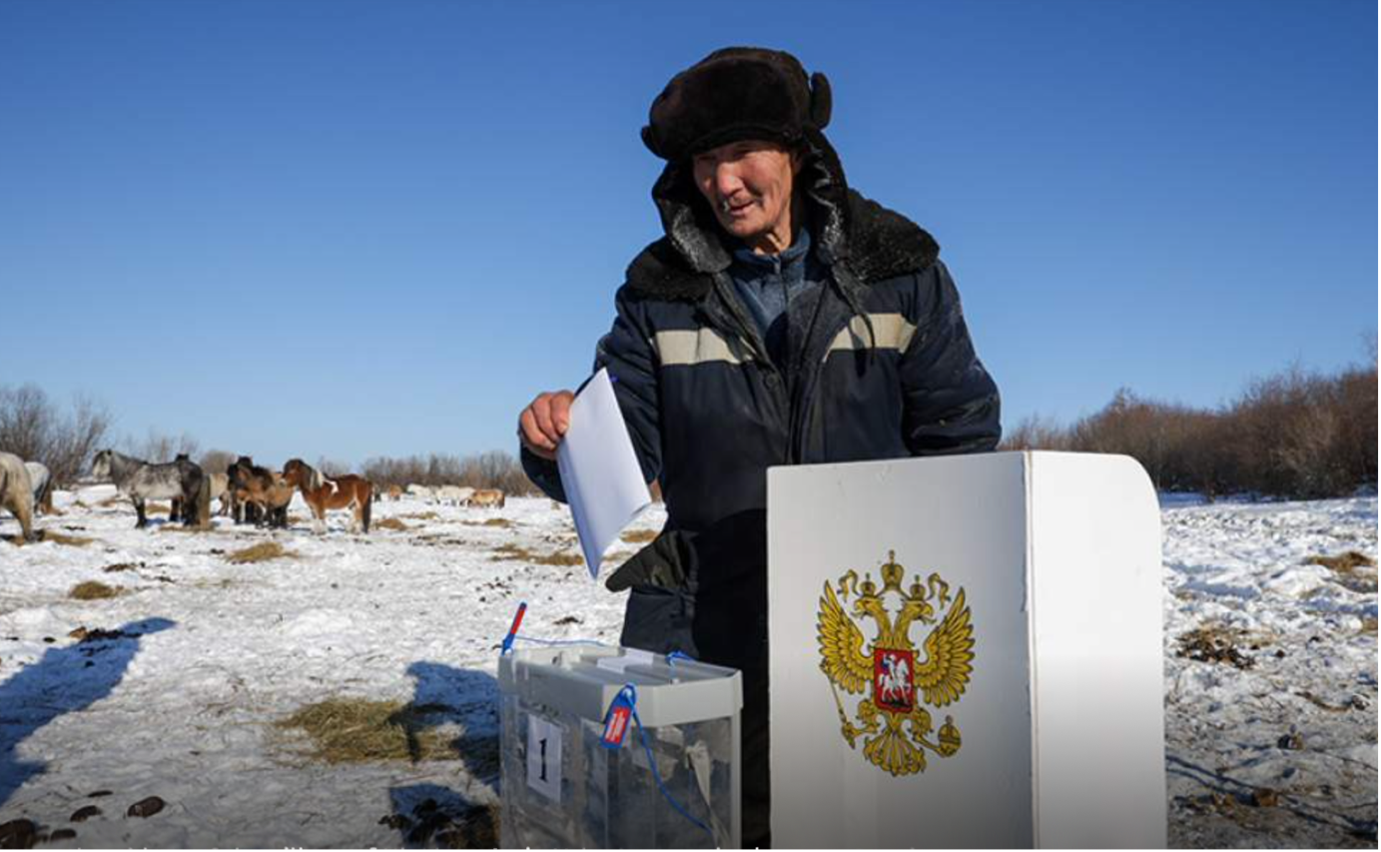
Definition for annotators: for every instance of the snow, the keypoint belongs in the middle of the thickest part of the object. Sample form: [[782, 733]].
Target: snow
[[1310, 634], [185, 710], [183, 707]]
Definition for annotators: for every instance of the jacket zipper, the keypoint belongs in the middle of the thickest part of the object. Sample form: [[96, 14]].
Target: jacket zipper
[[748, 334]]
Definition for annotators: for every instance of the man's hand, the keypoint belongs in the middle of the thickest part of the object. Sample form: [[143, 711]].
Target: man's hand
[[543, 424], [663, 563]]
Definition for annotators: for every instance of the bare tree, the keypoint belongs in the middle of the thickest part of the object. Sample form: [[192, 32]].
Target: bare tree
[[332, 467], [1293, 434], [27, 420], [495, 469], [216, 461], [1036, 433], [77, 439], [33, 428]]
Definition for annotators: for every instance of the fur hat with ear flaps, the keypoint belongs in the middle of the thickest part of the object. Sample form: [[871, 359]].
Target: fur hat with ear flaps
[[736, 93], [755, 93]]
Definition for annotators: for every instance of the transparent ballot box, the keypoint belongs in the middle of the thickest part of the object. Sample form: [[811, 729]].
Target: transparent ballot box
[[566, 784]]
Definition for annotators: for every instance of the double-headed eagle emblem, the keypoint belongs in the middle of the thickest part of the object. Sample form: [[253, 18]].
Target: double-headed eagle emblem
[[895, 726]]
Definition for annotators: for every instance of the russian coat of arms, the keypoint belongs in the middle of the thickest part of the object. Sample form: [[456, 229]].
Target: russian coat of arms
[[895, 725]]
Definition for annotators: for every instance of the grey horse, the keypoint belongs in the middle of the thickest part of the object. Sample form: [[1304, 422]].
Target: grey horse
[[182, 479], [42, 481], [17, 492]]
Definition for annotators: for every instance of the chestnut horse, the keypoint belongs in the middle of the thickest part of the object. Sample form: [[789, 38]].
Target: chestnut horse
[[330, 492]]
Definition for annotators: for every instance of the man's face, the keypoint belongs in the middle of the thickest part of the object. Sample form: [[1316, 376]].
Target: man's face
[[748, 185]]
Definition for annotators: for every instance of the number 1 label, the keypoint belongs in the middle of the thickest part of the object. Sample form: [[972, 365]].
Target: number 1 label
[[544, 757]]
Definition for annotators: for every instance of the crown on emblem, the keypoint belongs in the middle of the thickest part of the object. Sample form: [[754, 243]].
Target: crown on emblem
[[892, 574]]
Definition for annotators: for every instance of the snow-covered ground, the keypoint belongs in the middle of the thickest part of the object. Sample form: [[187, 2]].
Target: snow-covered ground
[[1275, 703], [1271, 735]]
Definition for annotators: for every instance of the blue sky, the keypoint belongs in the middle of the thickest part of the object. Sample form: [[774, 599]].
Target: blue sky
[[379, 228]]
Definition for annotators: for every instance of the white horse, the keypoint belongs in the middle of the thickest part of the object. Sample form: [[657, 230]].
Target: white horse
[[421, 492], [17, 492], [895, 680], [455, 495]]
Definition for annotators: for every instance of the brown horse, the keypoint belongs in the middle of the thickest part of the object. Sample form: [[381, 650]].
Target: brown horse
[[487, 497], [330, 492], [260, 487]]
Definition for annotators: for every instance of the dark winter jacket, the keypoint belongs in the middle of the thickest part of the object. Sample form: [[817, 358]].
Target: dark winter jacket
[[881, 367]]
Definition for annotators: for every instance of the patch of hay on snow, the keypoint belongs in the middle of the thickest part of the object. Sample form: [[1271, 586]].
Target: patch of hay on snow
[[1342, 563], [356, 730], [392, 524], [92, 590], [260, 553], [1216, 643], [522, 554], [1355, 571], [69, 540], [639, 536]]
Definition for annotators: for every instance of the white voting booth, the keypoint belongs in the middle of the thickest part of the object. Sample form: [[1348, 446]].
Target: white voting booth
[[966, 652]]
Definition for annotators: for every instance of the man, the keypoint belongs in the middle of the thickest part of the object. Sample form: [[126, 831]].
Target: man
[[782, 319]]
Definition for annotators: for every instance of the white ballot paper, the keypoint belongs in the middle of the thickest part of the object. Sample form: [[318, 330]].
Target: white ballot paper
[[599, 470]]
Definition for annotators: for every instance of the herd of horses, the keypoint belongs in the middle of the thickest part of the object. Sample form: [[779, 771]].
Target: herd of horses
[[247, 492], [453, 495]]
